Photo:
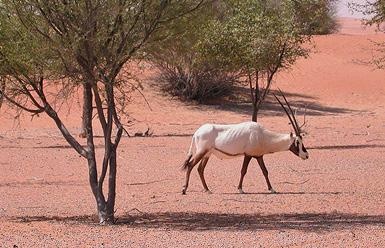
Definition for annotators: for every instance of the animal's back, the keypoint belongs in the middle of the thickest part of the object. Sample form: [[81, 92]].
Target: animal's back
[[229, 140]]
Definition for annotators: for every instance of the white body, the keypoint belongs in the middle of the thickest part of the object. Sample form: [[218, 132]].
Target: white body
[[246, 138]]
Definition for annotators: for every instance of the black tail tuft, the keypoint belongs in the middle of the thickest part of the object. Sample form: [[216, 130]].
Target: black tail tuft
[[187, 162]]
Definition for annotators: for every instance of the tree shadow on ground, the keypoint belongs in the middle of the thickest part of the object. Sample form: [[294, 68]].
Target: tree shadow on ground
[[239, 102], [192, 221]]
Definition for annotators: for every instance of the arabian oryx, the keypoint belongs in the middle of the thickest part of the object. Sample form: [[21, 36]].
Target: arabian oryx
[[249, 139]]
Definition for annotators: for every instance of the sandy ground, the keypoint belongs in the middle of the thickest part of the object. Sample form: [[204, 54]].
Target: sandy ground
[[334, 199]]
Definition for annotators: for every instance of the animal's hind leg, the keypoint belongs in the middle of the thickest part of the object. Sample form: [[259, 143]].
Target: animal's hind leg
[[195, 159], [246, 161], [201, 169], [265, 173]]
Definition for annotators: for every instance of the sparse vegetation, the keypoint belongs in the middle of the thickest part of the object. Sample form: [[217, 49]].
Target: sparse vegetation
[[185, 70], [375, 12]]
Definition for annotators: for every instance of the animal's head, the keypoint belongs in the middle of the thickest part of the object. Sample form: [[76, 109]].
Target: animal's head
[[297, 147]]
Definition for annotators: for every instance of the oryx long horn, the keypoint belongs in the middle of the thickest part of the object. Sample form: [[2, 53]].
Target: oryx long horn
[[288, 115], [291, 111]]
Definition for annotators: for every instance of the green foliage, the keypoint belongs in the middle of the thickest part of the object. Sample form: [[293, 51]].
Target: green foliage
[[256, 36], [24, 61], [19, 51], [94, 37], [233, 37], [255, 39], [316, 16], [80, 40]]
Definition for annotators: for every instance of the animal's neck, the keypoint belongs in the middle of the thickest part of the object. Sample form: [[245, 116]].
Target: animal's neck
[[279, 142]]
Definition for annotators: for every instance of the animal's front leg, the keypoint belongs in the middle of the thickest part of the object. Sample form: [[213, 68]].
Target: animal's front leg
[[265, 173], [246, 161]]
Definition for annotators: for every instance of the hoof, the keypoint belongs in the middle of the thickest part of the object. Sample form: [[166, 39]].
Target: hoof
[[272, 191], [208, 191], [183, 191], [241, 191]]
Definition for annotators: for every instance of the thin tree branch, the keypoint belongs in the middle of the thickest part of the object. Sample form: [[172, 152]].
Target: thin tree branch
[[183, 13], [34, 111], [251, 87], [107, 139], [66, 134], [99, 107]]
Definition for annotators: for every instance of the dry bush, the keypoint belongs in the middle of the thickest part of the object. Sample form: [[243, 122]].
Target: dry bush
[[201, 85]]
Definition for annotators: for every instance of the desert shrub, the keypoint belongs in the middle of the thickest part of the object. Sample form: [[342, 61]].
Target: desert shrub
[[190, 84], [317, 16]]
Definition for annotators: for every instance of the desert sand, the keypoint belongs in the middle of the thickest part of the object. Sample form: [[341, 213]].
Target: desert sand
[[334, 199]]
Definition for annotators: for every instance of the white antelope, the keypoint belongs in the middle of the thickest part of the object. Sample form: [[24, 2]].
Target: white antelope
[[249, 139]]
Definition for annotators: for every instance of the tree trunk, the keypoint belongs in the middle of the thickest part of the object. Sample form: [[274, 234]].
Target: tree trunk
[[255, 104], [111, 188], [255, 113], [91, 158], [99, 197], [83, 131], [2, 89]]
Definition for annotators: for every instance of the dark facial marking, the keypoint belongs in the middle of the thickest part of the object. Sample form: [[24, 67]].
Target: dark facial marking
[[294, 148], [303, 148]]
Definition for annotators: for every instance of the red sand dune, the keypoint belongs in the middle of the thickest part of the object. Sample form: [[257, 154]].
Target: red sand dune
[[336, 198]]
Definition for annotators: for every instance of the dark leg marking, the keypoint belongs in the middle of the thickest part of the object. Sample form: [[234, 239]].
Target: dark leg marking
[[246, 161], [265, 173], [201, 169], [195, 159]]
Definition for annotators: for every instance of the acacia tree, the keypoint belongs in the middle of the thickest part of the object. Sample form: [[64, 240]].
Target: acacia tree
[[78, 44], [257, 39]]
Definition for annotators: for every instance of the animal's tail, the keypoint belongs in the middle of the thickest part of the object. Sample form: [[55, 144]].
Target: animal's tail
[[189, 155]]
